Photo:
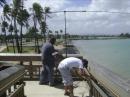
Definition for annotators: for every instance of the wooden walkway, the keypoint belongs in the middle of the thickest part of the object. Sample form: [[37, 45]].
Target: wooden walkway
[[33, 89]]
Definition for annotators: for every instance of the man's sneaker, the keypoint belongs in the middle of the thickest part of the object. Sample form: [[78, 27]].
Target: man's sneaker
[[71, 95], [51, 84], [67, 94], [43, 83]]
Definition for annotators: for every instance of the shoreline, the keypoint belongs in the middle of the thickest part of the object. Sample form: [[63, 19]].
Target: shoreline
[[71, 49]]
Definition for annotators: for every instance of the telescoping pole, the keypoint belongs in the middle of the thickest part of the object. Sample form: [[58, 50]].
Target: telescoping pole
[[65, 34]]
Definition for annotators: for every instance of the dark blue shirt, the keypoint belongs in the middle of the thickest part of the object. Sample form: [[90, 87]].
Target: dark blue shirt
[[47, 57]]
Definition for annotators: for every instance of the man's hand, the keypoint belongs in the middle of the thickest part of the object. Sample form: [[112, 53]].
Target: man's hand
[[55, 53]]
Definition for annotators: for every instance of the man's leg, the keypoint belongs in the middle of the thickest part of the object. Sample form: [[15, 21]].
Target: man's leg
[[67, 80], [44, 76], [50, 75], [66, 91], [70, 89]]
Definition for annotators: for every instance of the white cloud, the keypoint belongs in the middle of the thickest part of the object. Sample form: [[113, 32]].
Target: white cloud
[[98, 23], [106, 22], [114, 20], [89, 22]]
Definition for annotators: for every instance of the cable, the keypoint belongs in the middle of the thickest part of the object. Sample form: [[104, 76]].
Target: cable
[[92, 11]]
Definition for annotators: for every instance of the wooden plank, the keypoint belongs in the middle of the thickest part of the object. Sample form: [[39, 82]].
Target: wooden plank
[[99, 90], [27, 57], [20, 57]]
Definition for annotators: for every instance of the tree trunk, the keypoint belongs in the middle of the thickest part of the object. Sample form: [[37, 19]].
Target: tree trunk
[[6, 37], [45, 37], [21, 35], [37, 49], [12, 39], [16, 35], [6, 41]]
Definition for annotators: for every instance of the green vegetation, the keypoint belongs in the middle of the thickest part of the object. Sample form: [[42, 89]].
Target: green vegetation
[[15, 19], [29, 49], [25, 50], [97, 37], [125, 35]]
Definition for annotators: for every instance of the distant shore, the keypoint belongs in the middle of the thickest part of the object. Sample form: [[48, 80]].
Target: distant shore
[[71, 49]]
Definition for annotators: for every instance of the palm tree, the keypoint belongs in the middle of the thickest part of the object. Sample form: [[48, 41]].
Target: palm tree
[[43, 29], [38, 17], [38, 10], [50, 32], [15, 12], [31, 32], [46, 13], [22, 19], [56, 32], [11, 28], [4, 26], [2, 2], [6, 11]]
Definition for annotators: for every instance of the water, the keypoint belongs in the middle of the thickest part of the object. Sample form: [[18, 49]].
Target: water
[[110, 62], [113, 54]]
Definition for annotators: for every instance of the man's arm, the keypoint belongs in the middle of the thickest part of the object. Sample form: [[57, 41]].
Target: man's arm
[[80, 72], [54, 51]]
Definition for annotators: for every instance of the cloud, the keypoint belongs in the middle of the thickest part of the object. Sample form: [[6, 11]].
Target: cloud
[[114, 20], [89, 22], [104, 23], [97, 23]]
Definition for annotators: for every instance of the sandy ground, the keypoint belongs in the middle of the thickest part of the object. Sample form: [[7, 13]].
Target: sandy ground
[[2, 48]]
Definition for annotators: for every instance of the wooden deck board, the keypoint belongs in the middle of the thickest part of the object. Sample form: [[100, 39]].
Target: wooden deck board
[[33, 89]]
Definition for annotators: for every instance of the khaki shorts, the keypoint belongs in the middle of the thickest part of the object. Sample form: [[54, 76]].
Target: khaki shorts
[[66, 76]]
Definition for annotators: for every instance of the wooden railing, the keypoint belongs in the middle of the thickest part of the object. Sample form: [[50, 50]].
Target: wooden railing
[[11, 82], [33, 72], [32, 63], [98, 90]]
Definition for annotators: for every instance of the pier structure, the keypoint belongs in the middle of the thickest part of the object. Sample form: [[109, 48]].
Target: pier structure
[[29, 81]]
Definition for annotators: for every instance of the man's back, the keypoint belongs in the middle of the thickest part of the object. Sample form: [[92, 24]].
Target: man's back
[[71, 62], [47, 51]]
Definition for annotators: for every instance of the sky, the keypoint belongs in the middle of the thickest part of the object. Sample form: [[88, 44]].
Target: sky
[[87, 22]]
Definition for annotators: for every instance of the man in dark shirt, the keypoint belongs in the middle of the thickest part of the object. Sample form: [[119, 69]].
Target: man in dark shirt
[[48, 61]]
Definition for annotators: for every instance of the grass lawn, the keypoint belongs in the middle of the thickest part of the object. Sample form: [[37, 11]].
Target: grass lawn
[[25, 50], [28, 49]]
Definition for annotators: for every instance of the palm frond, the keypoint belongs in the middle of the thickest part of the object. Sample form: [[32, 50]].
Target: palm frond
[[2, 2]]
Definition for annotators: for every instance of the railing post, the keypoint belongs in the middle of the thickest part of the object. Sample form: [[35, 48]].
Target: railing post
[[91, 89], [3, 95], [21, 62], [9, 90], [31, 69], [39, 71]]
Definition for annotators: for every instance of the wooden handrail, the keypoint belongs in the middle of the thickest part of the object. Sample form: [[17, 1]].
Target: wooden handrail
[[11, 83], [26, 57]]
